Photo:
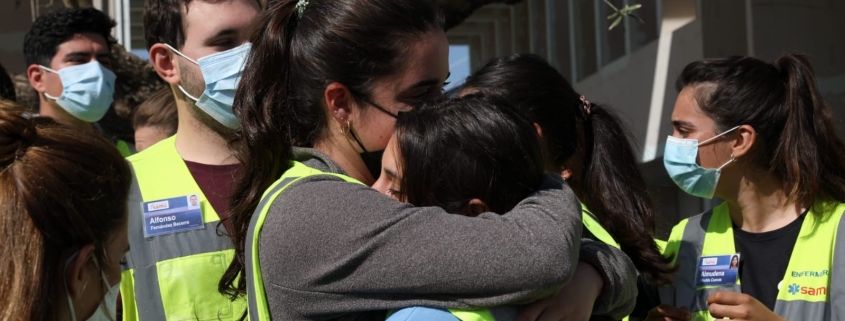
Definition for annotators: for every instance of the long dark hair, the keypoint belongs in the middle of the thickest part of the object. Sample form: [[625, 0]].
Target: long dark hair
[[293, 59], [793, 123], [60, 189], [606, 176], [456, 150]]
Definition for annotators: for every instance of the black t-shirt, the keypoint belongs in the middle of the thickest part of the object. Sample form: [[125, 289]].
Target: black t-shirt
[[764, 258]]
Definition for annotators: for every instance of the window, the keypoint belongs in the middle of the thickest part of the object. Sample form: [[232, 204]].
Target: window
[[584, 40], [129, 32], [594, 46], [459, 65], [136, 24], [611, 42]]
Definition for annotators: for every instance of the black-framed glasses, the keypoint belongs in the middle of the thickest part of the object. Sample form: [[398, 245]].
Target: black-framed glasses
[[369, 101]]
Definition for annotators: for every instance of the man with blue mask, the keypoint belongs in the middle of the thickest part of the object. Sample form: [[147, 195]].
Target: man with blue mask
[[69, 56], [181, 187]]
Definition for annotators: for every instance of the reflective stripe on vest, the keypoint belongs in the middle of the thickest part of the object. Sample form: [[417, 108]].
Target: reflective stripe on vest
[[473, 315], [591, 222], [256, 295], [175, 276], [805, 292]]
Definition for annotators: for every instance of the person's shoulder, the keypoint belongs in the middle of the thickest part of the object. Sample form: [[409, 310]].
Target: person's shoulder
[[316, 159], [152, 152], [322, 186]]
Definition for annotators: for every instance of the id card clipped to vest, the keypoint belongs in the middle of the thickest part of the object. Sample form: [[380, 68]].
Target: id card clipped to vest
[[172, 215], [718, 270]]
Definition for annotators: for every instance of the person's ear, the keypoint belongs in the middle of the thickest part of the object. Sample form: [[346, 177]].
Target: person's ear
[[565, 173], [475, 207], [339, 102], [745, 138], [166, 63], [78, 275], [36, 77]]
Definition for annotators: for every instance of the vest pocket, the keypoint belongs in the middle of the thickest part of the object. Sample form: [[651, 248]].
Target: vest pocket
[[189, 288]]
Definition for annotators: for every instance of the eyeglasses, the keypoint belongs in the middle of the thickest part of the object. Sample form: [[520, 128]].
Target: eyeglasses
[[369, 101]]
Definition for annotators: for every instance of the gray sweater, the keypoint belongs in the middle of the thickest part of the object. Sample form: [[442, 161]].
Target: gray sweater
[[331, 250]]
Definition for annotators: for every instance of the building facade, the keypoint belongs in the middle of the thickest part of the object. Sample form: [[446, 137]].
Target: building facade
[[633, 67]]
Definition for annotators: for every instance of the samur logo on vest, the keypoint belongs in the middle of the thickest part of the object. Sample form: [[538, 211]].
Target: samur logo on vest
[[805, 290]]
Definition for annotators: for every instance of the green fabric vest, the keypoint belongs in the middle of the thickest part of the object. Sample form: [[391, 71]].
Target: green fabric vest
[[812, 289], [256, 295], [174, 276], [124, 149]]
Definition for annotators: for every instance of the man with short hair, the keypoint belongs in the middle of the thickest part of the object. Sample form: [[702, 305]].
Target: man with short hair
[[69, 56], [178, 255]]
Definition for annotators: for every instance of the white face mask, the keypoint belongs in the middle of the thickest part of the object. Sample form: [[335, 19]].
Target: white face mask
[[107, 310]]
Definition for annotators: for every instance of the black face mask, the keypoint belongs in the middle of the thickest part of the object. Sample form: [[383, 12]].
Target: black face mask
[[371, 159], [373, 162]]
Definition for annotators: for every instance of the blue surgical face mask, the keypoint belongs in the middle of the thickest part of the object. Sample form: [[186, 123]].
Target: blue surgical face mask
[[679, 160], [221, 72], [87, 90]]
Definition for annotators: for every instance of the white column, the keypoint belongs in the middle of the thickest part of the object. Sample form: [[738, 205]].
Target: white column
[[676, 14]]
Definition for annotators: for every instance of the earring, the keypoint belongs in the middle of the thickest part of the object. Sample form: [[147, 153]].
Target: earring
[[345, 132]]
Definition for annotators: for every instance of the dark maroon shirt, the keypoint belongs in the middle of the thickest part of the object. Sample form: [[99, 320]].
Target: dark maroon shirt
[[217, 183]]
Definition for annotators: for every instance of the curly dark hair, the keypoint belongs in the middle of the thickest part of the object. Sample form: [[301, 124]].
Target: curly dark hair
[[51, 30]]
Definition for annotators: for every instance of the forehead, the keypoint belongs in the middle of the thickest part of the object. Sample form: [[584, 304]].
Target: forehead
[[427, 58], [90, 43], [203, 18], [688, 110], [686, 105]]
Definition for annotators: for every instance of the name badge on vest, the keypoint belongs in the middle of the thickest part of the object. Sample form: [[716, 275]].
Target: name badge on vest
[[172, 215], [718, 270]]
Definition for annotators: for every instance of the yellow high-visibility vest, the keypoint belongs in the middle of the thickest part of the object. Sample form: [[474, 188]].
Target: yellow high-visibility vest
[[813, 287], [174, 276]]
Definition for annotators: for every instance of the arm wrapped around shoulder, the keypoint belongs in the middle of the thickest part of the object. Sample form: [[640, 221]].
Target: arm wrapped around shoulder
[[619, 294]]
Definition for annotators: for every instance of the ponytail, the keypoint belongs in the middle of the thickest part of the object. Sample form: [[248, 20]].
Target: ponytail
[[613, 188], [611, 185], [262, 106], [809, 155]]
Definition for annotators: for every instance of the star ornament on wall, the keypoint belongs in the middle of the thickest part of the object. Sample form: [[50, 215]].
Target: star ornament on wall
[[627, 10]]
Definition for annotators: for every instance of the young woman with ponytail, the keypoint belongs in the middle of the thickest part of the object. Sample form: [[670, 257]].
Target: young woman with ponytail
[[63, 209], [588, 145], [760, 136], [313, 243]]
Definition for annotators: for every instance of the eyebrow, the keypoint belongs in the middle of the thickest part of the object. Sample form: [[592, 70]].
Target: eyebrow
[[221, 34], [390, 173], [78, 54], [682, 123], [424, 83], [427, 82]]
